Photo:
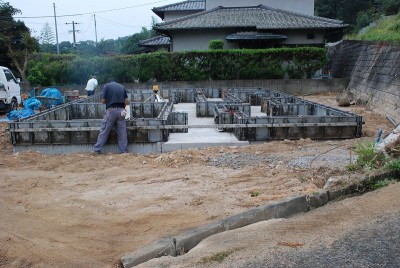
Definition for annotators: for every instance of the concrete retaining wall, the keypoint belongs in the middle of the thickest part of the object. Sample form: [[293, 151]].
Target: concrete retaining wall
[[291, 86], [374, 72]]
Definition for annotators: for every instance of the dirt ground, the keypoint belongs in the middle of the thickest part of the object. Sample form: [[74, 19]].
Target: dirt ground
[[80, 210]]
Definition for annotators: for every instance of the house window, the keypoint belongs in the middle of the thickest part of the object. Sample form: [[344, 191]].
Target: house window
[[310, 36]]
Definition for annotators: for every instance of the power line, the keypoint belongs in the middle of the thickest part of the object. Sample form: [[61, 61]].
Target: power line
[[89, 13], [117, 23]]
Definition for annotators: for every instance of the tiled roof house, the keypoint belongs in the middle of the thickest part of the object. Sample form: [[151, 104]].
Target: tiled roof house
[[239, 26]]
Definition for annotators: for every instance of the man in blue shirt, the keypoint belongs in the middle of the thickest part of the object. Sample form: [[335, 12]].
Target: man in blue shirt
[[115, 98]]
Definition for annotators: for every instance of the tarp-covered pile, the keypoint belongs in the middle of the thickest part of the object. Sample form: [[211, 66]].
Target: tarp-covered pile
[[18, 114]]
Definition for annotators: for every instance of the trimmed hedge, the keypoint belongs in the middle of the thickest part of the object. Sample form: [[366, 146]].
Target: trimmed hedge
[[241, 64]]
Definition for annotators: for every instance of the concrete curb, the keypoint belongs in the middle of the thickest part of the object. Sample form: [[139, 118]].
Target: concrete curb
[[186, 241]]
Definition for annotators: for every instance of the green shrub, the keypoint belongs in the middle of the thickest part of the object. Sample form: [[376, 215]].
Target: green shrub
[[233, 64], [216, 44], [36, 77]]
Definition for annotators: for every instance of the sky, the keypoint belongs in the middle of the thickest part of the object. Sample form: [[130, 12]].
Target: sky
[[114, 18]]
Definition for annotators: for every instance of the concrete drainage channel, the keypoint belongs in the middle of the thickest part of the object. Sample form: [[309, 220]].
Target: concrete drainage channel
[[182, 243]]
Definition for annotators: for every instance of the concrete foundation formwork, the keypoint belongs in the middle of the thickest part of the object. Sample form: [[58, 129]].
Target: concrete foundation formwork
[[73, 127]]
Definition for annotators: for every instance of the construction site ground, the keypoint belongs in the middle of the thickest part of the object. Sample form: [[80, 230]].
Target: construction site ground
[[80, 210]]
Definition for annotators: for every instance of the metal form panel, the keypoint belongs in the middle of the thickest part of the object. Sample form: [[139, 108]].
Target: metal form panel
[[146, 109], [181, 95], [205, 106], [178, 119], [79, 123], [142, 96], [313, 127], [286, 117]]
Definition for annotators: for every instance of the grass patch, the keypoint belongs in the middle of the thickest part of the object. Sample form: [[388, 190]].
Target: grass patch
[[255, 193], [302, 178], [383, 183], [387, 29], [394, 166], [217, 257]]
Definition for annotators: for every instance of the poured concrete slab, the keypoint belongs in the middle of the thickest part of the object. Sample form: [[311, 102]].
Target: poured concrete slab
[[199, 137], [256, 111]]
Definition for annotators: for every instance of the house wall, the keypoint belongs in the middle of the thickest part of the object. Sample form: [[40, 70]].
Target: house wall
[[199, 40], [298, 6]]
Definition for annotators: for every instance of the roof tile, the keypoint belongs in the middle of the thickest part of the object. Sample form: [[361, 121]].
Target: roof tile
[[183, 6], [259, 17]]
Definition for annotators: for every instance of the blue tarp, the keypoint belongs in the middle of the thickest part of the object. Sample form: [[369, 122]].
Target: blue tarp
[[18, 114], [32, 103], [53, 93]]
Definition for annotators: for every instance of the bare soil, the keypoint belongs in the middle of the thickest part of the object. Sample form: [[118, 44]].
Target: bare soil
[[79, 210]]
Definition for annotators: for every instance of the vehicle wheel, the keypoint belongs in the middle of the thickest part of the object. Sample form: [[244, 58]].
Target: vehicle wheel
[[13, 105]]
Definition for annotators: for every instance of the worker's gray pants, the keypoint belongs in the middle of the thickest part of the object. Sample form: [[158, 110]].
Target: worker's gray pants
[[112, 118]]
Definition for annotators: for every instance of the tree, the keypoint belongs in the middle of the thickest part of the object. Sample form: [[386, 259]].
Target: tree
[[15, 40], [132, 44], [47, 38]]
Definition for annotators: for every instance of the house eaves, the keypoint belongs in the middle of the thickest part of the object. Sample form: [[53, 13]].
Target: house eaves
[[189, 5], [247, 36], [157, 41], [257, 17]]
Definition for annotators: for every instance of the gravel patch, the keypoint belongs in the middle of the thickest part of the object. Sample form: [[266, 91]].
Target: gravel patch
[[241, 160]]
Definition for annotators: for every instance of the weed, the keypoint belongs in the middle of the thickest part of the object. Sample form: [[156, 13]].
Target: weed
[[352, 167], [382, 183], [394, 165], [368, 157], [218, 257], [255, 193], [302, 178]]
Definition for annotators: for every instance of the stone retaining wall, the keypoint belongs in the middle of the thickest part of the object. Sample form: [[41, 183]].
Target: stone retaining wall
[[374, 72]]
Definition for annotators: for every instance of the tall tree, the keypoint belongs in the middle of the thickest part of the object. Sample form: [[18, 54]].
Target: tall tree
[[47, 37], [16, 42]]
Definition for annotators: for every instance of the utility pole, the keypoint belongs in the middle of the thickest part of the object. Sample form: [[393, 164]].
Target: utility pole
[[73, 32], [55, 22], [95, 27]]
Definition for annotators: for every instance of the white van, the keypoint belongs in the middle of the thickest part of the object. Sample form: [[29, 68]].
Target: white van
[[10, 91]]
